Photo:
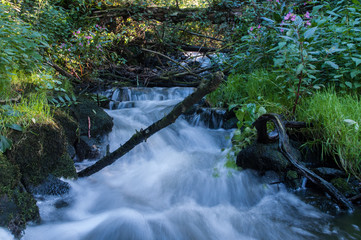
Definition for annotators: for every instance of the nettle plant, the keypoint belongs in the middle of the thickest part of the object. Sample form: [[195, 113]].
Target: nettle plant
[[309, 49], [84, 52], [319, 48]]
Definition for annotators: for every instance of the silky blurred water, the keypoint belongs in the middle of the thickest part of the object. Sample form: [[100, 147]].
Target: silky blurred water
[[175, 186]]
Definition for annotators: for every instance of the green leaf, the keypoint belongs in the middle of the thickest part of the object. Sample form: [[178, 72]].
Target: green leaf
[[356, 60], [332, 64], [348, 84], [5, 144], [333, 14], [309, 33], [61, 99], [354, 73], [15, 127], [299, 69], [356, 2]]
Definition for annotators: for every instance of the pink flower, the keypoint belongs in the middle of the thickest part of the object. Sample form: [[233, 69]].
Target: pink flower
[[69, 49], [307, 23], [259, 26], [80, 44], [277, 1], [293, 18], [307, 15], [251, 29], [78, 31], [282, 30], [88, 42], [88, 37], [287, 17]]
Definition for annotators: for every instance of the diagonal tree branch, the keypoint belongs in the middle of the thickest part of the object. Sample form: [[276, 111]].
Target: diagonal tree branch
[[204, 88]]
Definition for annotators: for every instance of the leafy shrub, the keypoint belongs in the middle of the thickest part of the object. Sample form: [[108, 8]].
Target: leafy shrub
[[46, 17], [19, 48]]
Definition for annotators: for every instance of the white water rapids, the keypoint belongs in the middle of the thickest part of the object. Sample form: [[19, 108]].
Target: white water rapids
[[174, 186]]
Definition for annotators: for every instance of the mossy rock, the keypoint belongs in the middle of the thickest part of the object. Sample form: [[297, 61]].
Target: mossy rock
[[41, 151], [263, 157], [100, 122], [69, 125], [9, 177], [16, 205]]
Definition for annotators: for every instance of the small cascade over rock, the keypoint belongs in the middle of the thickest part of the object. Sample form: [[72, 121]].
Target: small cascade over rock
[[176, 186]]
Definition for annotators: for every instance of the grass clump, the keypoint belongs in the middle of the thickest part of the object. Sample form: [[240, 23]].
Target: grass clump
[[336, 122], [30, 110]]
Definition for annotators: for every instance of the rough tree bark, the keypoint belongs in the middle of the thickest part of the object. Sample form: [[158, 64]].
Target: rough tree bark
[[204, 88], [286, 150]]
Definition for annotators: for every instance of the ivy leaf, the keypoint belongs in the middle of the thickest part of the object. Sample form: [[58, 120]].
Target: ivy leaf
[[309, 33], [332, 64]]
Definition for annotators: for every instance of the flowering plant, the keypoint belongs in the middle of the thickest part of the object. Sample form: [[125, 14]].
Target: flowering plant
[[84, 51]]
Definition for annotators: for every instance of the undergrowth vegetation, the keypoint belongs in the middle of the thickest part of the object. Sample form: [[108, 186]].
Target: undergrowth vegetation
[[335, 118], [287, 54]]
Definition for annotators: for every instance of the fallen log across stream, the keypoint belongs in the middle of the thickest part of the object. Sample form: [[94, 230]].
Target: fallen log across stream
[[284, 147], [205, 87]]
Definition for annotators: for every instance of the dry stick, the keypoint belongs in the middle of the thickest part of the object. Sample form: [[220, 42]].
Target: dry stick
[[174, 61], [200, 35], [286, 150], [204, 88]]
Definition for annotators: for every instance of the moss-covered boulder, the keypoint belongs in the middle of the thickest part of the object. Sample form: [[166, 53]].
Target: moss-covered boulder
[[17, 206], [100, 122], [263, 157], [41, 151]]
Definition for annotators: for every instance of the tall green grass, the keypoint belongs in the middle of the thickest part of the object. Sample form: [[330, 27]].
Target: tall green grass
[[336, 119], [262, 87], [34, 109]]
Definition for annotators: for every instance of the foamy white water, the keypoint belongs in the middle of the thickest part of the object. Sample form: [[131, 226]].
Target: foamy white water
[[174, 186]]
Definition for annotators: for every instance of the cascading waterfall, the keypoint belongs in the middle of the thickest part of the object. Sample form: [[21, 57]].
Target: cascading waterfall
[[174, 186]]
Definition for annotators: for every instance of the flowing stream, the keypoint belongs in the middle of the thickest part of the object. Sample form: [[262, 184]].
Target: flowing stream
[[176, 186]]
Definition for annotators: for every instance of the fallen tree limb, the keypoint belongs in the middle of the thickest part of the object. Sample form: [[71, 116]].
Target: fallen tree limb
[[204, 88], [63, 72], [286, 150], [174, 15]]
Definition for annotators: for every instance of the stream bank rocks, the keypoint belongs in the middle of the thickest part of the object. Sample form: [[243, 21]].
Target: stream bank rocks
[[43, 153], [266, 158]]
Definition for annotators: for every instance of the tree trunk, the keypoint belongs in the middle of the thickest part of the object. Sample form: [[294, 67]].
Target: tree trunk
[[204, 88]]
